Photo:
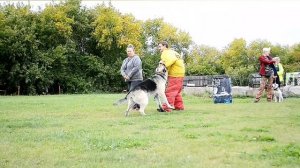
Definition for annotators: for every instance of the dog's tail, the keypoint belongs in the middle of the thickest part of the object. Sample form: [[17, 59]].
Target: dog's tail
[[121, 101]]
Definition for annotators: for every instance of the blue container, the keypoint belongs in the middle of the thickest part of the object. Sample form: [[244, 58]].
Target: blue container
[[222, 90], [227, 99]]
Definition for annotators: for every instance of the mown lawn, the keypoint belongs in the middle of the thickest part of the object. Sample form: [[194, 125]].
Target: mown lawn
[[87, 131]]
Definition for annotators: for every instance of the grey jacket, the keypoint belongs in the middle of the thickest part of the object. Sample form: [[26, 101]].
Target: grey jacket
[[132, 67]]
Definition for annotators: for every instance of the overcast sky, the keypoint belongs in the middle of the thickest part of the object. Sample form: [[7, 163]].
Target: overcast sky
[[218, 22]]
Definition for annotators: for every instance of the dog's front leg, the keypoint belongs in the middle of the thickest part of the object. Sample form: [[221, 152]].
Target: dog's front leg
[[165, 100], [158, 102], [280, 97]]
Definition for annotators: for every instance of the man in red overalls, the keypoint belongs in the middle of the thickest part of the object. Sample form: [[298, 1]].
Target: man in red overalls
[[176, 72]]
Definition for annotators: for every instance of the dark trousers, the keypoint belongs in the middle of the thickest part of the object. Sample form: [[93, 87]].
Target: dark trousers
[[132, 84], [277, 80]]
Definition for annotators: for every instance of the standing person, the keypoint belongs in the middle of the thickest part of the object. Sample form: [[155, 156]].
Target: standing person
[[176, 72], [266, 63], [280, 71], [131, 69]]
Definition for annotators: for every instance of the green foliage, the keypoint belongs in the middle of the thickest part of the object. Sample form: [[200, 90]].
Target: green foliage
[[113, 32], [79, 50], [150, 62], [203, 60], [292, 63], [280, 154], [19, 48], [156, 30], [55, 26], [238, 60]]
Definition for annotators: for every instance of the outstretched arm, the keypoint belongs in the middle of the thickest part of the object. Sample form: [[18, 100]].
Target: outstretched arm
[[265, 60]]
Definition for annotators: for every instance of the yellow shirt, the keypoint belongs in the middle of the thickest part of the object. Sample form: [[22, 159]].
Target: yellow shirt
[[173, 62], [280, 72]]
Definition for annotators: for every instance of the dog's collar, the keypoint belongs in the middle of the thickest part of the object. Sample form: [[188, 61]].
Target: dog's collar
[[161, 76]]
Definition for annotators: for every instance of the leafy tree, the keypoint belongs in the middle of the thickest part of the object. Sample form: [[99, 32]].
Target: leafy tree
[[292, 63], [81, 27], [203, 60], [79, 50], [156, 30], [151, 27], [114, 32], [55, 26], [19, 49], [254, 50], [235, 54], [236, 62], [150, 62], [176, 38]]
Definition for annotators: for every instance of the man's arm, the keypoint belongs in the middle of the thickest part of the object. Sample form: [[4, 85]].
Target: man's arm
[[265, 60], [168, 58]]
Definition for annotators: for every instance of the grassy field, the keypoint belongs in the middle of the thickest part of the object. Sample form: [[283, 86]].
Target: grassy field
[[87, 131]]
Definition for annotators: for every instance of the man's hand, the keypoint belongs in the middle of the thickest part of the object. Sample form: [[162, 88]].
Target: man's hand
[[126, 77]]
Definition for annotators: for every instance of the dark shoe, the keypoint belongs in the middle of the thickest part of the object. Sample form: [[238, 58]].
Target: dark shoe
[[160, 110], [256, 101]]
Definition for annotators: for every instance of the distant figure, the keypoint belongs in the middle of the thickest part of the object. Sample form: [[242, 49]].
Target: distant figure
[[280, 71], [267, 75], [291, 80]]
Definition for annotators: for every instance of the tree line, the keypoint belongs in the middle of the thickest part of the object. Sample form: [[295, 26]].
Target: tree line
[[67, 48]]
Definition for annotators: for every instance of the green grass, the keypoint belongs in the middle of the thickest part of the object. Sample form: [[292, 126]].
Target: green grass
[[87, 131]]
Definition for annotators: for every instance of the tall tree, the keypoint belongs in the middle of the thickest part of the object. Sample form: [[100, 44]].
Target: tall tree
[[204, 60], [156, 30], [254, 50], [114, 31], [19, 49], [236, 62], [292, 63]]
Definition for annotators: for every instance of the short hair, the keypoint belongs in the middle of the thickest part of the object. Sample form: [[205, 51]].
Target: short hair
[[266, 50], [130, 46], [277, 58], [164, 43]]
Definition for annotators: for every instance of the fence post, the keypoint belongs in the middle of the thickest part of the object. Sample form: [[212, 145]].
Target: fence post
[[58, 89]]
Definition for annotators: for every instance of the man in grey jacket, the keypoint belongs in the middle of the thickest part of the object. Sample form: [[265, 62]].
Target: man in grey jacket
[[131, 69]]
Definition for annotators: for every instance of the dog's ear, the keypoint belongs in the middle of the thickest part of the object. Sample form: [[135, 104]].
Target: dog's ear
[[162, 62]]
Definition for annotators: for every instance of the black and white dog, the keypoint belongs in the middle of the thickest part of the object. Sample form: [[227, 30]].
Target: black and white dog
[[277, 93], [153, 86]]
